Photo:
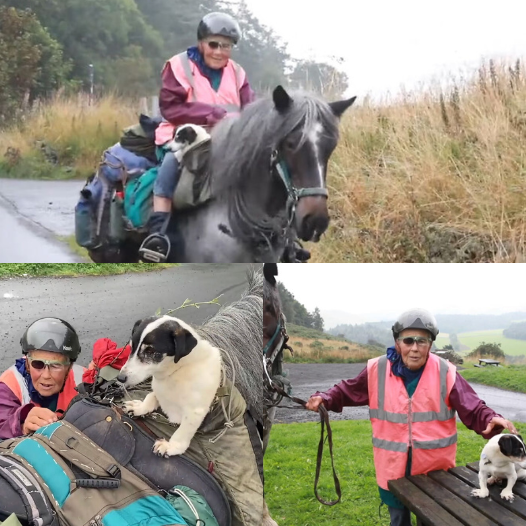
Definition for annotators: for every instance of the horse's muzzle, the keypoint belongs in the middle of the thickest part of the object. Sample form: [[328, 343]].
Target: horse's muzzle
[[312, 218]]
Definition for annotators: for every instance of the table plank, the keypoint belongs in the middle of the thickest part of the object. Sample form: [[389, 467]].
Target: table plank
[[451, 502], [423, 506], [518, 489], [518, 506], [490, 508]]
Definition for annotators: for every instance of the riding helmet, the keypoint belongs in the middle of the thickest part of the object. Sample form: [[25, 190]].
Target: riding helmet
[[416, 319], [53, 335], [219, 24]]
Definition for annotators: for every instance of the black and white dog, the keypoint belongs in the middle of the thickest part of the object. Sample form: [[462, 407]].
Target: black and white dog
[[185, 371], [504, 456], [187, 136]]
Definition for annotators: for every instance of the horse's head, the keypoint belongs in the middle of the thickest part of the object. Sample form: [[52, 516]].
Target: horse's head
[[302, 156], [271, 302]]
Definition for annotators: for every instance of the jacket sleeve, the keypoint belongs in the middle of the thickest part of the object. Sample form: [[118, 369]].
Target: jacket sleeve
[[353, 392], [472, 411], [175, 109], [246, 94], [12, 414]]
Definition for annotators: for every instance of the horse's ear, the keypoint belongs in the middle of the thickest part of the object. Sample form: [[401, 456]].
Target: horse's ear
[[269, 271], [340, 106], [281, 99]]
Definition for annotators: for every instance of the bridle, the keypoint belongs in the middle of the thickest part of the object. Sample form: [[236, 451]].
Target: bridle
[[293, 194]]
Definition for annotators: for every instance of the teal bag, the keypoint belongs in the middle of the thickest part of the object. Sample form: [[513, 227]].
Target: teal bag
[[192, 506], [138, 198]]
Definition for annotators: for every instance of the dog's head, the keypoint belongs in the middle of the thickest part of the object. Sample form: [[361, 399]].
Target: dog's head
[[186, 134], [512, 446], [156, 344]]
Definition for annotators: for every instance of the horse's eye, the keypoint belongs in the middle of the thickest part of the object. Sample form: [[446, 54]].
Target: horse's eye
[[290, 144]]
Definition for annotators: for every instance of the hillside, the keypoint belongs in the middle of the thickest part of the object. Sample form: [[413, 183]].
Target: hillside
[[314, 346], [433, 176]]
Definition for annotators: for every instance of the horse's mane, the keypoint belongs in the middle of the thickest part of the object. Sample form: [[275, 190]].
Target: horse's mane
[[237, 331], [242, 145]]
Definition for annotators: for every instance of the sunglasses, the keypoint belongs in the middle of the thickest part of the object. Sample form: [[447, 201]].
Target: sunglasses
[[213, 44], [54, 365], [419, 340]]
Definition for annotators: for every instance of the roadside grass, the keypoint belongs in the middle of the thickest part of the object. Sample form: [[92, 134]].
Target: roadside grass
[[512, 377], [74, 247], [8, 270], [290, 463]]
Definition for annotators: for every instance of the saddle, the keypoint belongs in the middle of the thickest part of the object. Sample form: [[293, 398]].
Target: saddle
[[131, 445]]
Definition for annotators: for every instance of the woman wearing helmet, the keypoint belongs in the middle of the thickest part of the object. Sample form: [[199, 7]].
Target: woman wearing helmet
[[41, 384], [413, 398], [199, 86]]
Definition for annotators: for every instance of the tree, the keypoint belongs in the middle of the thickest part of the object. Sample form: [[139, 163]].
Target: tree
[[317, 320], [492, 350], [320, 78], [31, 62]]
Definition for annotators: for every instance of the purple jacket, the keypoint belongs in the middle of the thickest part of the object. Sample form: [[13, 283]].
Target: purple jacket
[[472, 411], [12, 414], [175, 109]]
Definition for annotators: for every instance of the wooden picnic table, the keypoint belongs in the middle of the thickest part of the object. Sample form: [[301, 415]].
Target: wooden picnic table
[[443, 498], [484, 361]]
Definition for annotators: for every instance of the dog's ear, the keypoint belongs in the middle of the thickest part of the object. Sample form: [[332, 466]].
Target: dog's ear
[[184, 342], [191, 135], [506, 445], [137, 323], [269, 271]]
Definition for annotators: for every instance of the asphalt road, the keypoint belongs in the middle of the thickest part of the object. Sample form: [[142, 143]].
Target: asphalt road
[[306, 379], [108, 306], [33, 214]]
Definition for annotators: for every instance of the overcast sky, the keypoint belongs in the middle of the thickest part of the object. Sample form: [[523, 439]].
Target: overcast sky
[[386, 43], [381, 291]]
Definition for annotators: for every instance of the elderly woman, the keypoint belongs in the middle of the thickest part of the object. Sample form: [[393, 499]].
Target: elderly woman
[[39, 387], [413, 398], [199, 86]]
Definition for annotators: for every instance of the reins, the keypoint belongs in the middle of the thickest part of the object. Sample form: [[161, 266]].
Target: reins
[[324, 419]]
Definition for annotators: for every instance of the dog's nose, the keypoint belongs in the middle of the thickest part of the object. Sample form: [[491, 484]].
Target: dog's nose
[[122, 378]]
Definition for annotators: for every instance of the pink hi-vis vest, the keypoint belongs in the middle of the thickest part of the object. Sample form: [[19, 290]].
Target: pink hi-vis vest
[[425, 422], [199, 89], [16, 382]]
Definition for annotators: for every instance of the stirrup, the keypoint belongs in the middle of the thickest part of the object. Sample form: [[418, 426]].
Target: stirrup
[[155, 256]]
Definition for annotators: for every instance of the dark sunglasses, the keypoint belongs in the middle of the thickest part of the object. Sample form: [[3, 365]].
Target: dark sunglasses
[[54, 365], [213, 44], [420, 341]]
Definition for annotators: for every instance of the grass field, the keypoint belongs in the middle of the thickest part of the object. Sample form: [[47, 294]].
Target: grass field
[[512, 377], [508, 345], [290, 464], [8, 270]]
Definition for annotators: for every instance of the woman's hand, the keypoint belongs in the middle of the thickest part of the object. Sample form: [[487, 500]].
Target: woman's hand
[[499, 421], [37, 418], [313, 403]]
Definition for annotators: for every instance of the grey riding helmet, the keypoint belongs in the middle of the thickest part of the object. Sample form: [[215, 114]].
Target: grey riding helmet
[[53, 335], [219, 24], [416, 319]]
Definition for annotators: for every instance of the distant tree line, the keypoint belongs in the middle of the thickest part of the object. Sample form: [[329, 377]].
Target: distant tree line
[[50, 44], [375, 333], [516, 331], [295, 312]]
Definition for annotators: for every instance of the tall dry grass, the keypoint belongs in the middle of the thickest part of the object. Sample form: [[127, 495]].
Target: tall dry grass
[[433, 176], [64, 135]]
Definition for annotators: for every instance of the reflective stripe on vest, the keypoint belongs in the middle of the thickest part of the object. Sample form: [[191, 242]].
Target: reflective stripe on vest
[[17, 383], [199, 89], [396, 427]]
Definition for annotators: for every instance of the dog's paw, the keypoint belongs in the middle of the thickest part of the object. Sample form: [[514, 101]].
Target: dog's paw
[[507, 495], [167, 448], [480, 493], [135, 408]]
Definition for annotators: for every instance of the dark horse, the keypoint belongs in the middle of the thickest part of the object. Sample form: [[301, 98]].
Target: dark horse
[[274, 338], [268, 169]]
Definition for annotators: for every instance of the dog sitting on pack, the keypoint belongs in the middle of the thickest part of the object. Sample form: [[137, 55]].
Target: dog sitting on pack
[[186, 374], [187, 136], [504, 456]]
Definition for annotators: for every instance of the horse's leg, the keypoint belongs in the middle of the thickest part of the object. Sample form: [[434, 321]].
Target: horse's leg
[[267, 519]]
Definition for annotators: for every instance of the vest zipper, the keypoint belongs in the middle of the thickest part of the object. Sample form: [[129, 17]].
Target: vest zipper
[[410, 421]]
